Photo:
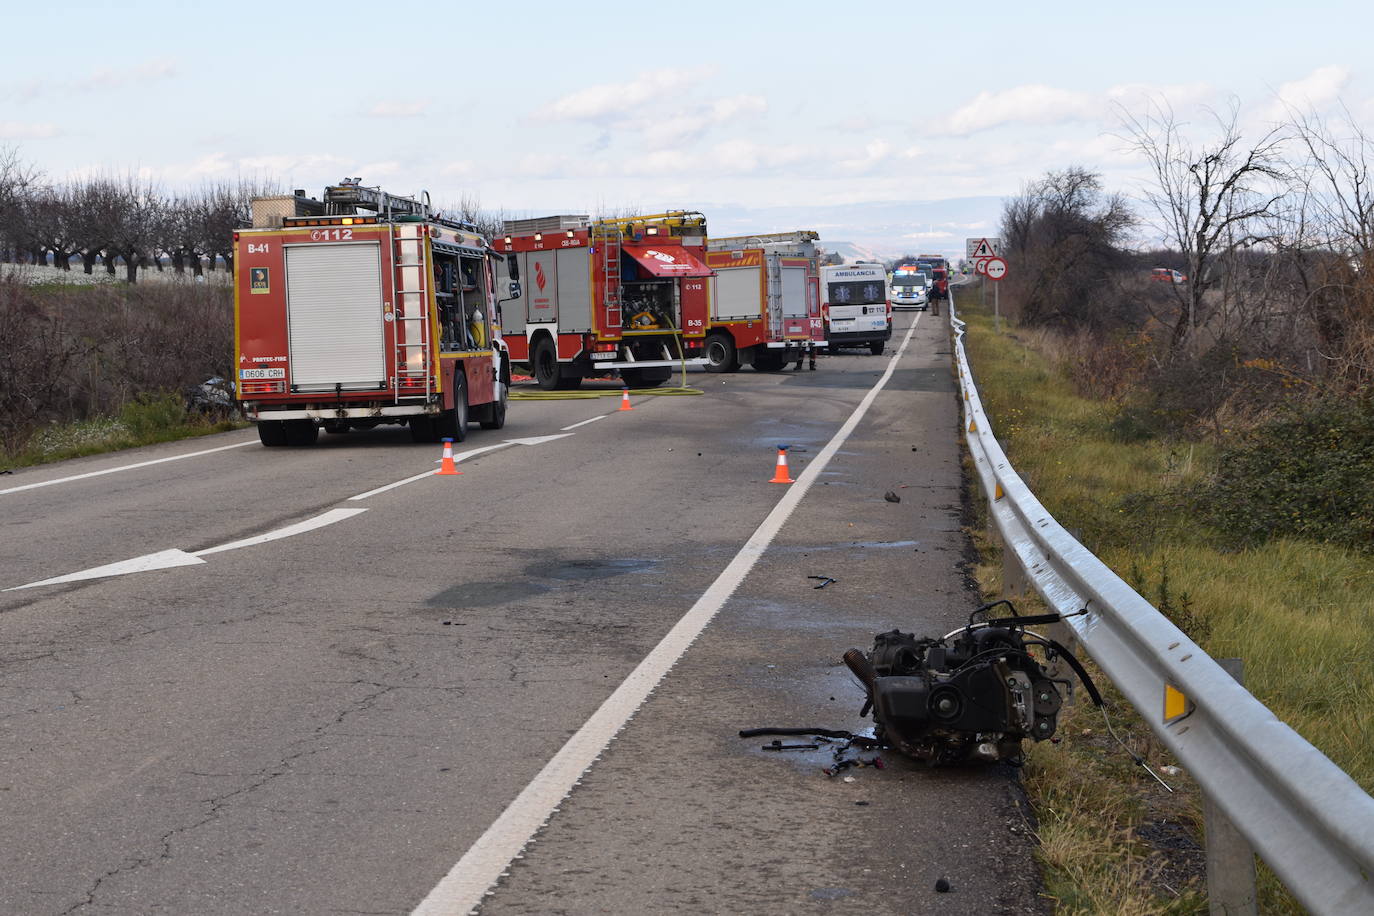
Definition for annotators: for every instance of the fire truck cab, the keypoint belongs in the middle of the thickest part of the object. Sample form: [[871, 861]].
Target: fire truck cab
[[365, 308]]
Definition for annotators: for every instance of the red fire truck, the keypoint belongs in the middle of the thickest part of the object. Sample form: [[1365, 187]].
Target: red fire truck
[[765, 301], [626, 294], [365, 308]]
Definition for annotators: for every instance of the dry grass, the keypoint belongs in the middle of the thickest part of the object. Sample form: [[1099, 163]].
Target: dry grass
[[1298, 614]]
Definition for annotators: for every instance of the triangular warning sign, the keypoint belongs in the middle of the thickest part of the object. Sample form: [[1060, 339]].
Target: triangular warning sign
[[983, 250]]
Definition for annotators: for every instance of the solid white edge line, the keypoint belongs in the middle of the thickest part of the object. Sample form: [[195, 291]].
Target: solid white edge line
[[126, 467], [310, 524], [584, 422], [465, 885]]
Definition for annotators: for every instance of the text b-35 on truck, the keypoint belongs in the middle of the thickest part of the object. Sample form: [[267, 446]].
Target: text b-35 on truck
[[361, 309], [627, 294]]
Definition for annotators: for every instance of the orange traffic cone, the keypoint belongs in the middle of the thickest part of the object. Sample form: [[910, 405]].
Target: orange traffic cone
[[625, 399], [446, 466], [780, 475]]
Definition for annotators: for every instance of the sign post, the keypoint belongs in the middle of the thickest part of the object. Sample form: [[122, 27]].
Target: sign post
[[995, 270]]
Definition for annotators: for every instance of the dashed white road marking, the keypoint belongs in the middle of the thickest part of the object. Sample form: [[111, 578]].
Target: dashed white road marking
[[124, 467], [585, 422], [462, 889]]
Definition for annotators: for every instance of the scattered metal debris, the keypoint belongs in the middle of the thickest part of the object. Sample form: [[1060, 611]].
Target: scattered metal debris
[[825, 580], [892, 497]]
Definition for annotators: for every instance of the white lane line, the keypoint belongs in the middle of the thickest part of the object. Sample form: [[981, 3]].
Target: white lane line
[[126, 467], [166, 559], [585, 422], [462, 889], [461, 456], [310, 524], [163, 559]]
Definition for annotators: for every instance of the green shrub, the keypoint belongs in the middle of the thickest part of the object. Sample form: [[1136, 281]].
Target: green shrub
[[152, 415], [1306, 475]]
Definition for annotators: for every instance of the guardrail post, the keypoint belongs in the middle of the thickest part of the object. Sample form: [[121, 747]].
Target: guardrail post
[[1230, 860]]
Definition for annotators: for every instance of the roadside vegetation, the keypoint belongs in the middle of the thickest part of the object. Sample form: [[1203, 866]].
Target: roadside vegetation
[[1210, 435], [88, 369]]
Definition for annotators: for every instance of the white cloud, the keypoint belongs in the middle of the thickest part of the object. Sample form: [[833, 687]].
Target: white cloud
[[614, 101], [1037, 104], [397, 109], [1313, 92], [1030, 104], [18, 130], [875, 151], [104, 79]]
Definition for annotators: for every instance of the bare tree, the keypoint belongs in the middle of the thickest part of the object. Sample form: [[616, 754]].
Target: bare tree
[[17, 181], [1208, 196]]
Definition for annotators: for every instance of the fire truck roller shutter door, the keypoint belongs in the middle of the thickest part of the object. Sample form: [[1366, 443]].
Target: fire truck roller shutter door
[[542, 285], [794, 292], [574, 291], [739, 294], [334, 315]]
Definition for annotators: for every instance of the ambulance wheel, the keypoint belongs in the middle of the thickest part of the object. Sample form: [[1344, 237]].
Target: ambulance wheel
[[545, 365], [272, 432], [721, 355], [497, 417], [301, 432], [876, 347], [453, 424]]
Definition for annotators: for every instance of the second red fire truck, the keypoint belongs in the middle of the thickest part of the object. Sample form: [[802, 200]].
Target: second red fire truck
[[627, 294]]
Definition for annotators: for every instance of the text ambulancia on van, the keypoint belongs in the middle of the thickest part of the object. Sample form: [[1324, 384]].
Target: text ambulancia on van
[[856, 306]]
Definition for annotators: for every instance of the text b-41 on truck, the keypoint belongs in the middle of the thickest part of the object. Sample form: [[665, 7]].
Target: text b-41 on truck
[[628, 294], [361, 309]]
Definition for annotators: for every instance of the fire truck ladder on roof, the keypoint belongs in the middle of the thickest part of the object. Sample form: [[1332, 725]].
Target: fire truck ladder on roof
[[414, 378], [347, 198]]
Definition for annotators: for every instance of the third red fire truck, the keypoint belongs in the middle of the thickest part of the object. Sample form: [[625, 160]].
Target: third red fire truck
[[765, 301], [627, 294]]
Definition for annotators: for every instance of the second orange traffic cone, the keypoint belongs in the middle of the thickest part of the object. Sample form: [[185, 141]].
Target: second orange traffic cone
[[780, 475], [625, 399], [447, 466]]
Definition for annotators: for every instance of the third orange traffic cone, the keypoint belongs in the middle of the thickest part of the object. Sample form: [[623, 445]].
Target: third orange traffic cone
[[447, 466], [780, 475], [625, 399]]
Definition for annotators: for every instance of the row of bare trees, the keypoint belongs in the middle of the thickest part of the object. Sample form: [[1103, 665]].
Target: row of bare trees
[[128, 221], [1273, 233]]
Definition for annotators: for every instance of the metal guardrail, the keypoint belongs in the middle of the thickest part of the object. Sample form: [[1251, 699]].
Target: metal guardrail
[[1305, 817]]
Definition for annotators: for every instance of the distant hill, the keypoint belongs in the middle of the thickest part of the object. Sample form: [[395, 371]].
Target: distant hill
[[874, 231]]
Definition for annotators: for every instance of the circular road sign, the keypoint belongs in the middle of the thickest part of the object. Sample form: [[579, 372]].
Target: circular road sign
[[980, 266], [996, 268]]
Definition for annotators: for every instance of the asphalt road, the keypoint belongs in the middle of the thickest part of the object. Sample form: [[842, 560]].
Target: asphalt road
[[327, 722]]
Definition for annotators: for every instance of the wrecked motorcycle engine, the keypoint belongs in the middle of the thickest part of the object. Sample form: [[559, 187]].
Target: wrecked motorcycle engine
[[970, 696]]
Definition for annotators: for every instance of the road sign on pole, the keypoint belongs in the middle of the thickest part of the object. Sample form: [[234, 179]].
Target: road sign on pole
[[996, 268], [988, 247]]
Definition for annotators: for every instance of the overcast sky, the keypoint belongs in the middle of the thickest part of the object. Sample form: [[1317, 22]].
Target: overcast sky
[[538, 108]]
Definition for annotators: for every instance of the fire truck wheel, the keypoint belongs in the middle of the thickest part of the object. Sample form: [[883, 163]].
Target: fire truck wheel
[[545, 365], [721, 355], [497, 418], [453, 424], [301, 432], [272, 432]]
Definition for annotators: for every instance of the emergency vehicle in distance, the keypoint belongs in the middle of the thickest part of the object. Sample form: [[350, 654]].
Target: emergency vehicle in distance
[[856, 306], [365, 308], [629, 294], [909, 288], [765, 301]]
